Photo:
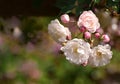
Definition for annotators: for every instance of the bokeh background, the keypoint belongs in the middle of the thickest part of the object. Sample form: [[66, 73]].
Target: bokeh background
[[28, 55]]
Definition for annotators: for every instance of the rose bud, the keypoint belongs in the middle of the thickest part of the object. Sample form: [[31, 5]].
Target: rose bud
[[97, 35], [65, 18], [100, 30], [82, 29], [105, 38], [87, 35]]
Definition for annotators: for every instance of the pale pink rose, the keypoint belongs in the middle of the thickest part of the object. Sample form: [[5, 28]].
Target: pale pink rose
[[89, 20], [58, 32]]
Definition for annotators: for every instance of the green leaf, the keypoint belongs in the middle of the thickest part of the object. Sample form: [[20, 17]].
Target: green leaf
[[96, 1], [116, 0], [82, 5], [114, 4], [79, 10], [67, 9], [66, 6]]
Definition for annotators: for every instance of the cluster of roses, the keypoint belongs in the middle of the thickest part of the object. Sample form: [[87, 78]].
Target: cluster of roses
[[81, 51]]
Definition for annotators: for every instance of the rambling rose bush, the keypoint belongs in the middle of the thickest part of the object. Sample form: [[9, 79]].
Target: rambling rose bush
[[82, 49]]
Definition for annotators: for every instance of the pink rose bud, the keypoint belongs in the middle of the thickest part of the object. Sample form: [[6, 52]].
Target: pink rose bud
[[68, 37], [85, 63], [82, 29], [87, 35], [100, 30], [97, 35], [105, 38], [65, 18]]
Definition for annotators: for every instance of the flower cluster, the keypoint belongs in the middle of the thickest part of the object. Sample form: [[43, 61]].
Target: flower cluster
[[83, 50]]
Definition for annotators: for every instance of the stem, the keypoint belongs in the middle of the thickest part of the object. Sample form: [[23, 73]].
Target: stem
[[91, 43]]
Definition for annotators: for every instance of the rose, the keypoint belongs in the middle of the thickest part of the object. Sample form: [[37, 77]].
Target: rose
[[58, 32], [100, 55], [89, 20], [77, 51]]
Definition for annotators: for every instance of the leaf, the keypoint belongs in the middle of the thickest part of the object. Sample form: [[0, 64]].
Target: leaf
[[96, 1], [116, 0], [82, 5], [79, 10], [66, 6], [114, 4], [67, 9]]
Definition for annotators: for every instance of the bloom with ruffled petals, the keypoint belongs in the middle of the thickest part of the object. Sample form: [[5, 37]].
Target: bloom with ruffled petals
[[58, 32], [89, 20], [100, 55], [77, 51]]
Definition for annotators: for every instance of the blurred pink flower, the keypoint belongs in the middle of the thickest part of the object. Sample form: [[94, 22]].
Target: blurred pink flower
[[30, 69], [56, 48]]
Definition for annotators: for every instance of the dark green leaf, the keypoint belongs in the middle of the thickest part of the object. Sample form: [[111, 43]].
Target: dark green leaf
[[79, 10], [67, 9], [96, 1], [116, 0], [82, 5], [114, 4]]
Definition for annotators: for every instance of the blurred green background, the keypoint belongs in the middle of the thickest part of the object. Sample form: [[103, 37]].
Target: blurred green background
[[28, 55]]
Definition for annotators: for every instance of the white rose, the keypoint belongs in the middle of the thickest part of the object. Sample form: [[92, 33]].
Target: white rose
[[89, 20], [58, 32], [100, 55], [76, 51]]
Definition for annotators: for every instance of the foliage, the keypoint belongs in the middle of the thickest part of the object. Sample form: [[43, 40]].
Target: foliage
[[82, 5]]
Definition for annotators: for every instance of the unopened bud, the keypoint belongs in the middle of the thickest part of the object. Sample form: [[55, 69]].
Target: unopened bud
[[82, 29], [105, 38], [68, 37], [87, 35], [97, 35], [85, 63], [100, 30], [65, 18]]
